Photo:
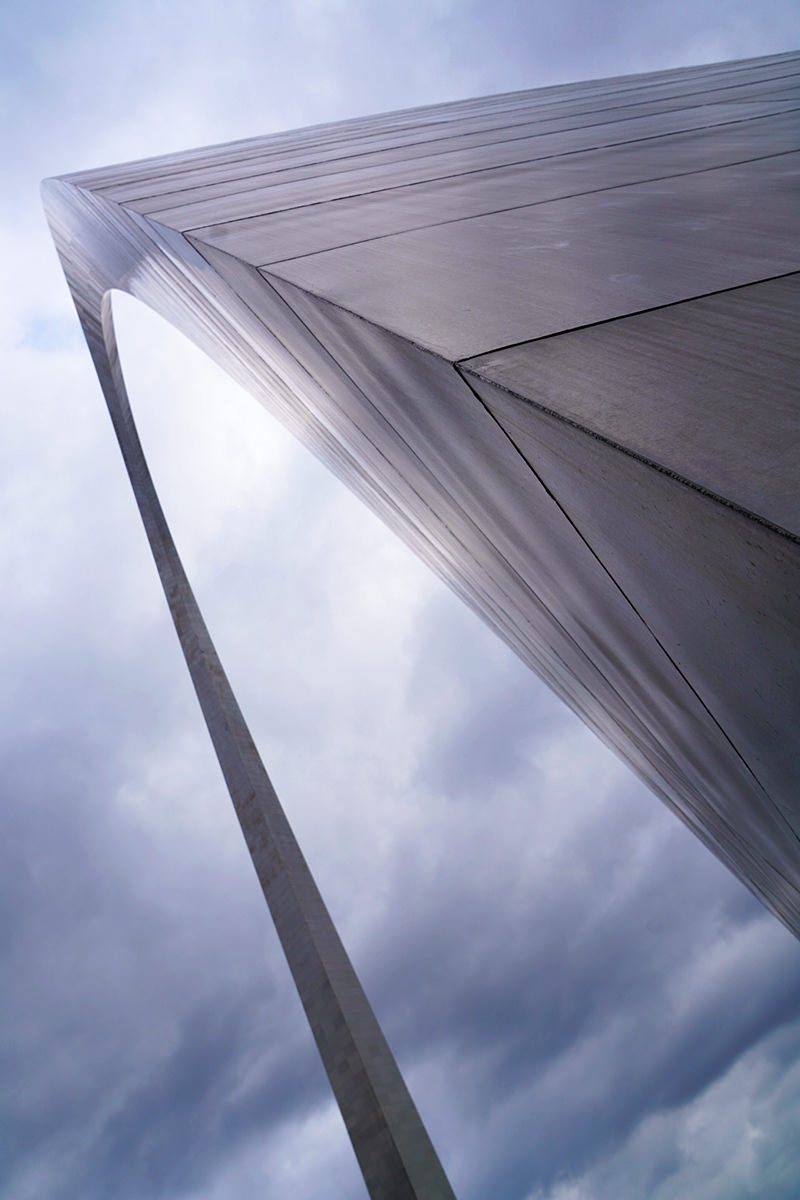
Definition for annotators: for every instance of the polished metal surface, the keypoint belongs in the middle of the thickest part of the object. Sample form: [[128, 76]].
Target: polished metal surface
[[552, 339]]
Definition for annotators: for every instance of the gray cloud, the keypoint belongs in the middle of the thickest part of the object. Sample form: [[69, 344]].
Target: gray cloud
[[585, 1003]]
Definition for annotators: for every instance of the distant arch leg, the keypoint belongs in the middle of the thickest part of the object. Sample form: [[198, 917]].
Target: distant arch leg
[[395, 1154]]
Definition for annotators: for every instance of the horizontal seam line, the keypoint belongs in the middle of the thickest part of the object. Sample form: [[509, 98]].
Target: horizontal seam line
[[511, 208], [455, 150], [520, 162], [638, 312]]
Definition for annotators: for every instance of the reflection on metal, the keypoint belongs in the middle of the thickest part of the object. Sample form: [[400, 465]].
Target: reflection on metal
[[395, 1154], [550, 337]]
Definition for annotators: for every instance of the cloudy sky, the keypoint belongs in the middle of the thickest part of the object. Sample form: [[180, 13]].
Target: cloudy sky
[[585, 1004]]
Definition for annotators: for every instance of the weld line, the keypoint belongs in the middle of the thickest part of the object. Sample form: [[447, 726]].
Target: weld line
[[628, 600], [511, 208], [266, 173], [472, 359], [520, 162]]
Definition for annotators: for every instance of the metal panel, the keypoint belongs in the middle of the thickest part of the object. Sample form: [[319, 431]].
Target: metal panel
[[465, 288], [707, 390], [392, 196]]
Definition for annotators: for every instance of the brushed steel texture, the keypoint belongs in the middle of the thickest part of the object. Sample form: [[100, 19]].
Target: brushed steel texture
[[551, 339]]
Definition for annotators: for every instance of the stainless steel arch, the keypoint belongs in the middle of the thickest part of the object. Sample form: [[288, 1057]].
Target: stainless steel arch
[[550, 338]]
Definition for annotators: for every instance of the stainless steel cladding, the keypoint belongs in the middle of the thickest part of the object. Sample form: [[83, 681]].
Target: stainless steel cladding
[[551, 338]]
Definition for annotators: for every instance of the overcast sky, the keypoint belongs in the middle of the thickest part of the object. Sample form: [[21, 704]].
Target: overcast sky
[[586, 1005]]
